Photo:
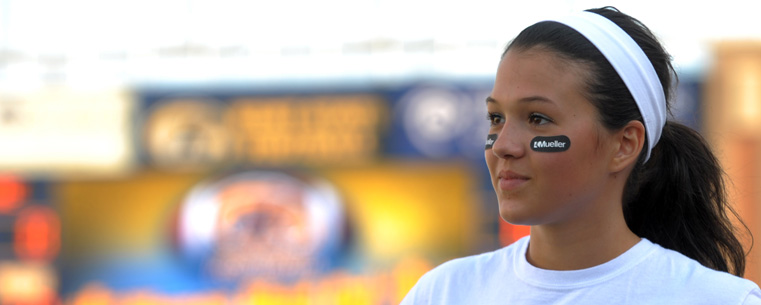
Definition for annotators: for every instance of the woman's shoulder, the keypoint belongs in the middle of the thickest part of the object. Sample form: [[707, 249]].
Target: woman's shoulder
[[689, 268], [456, 281], [682, 271]]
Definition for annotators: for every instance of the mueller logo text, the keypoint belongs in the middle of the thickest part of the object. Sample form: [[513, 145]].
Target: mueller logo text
[[550, 144]]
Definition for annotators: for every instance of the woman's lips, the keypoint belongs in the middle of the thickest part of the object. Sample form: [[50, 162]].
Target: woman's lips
[[509, 180]]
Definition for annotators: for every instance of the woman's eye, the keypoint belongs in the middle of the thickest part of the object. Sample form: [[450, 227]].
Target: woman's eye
[[538, 119], [495, 118]]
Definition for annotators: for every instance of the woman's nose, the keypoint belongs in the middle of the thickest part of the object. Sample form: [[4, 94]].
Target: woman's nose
[[508, 143]]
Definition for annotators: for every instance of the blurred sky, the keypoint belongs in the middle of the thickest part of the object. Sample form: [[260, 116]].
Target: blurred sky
[[116, 42]]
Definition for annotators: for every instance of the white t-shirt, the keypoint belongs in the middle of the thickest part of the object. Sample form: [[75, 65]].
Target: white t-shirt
[[645, 274]]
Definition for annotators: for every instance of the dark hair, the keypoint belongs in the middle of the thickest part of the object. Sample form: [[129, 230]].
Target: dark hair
[[677, 199]]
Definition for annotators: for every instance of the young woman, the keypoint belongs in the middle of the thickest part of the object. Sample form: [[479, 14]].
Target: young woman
[[625, 207]]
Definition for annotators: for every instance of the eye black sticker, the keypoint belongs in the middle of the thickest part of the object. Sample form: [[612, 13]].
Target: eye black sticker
[[551, 144], [490, 139]]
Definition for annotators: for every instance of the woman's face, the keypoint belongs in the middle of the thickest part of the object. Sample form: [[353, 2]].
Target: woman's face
[[536, 93]]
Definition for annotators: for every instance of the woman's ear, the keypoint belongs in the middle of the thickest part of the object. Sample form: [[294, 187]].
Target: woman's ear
[[630, 142]]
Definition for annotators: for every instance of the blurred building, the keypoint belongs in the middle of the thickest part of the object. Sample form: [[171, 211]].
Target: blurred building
[[733, 124]]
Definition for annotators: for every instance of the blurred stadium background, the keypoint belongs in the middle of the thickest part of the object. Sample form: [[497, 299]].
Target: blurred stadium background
[[291, 152]]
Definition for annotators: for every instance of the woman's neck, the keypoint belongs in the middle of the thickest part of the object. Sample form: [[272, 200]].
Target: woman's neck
[[579, 244]]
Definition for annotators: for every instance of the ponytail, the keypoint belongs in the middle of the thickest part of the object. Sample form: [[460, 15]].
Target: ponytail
[[678, 200]]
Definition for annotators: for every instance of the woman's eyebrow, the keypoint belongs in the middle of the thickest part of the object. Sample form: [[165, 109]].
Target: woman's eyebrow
[[534, 98]]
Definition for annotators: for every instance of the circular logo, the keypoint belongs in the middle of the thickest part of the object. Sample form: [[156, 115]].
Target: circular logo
[[261, 224], [438, 120]]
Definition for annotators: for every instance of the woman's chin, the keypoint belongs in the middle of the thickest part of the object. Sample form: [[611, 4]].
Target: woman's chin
[[519, 214], [517, 219]]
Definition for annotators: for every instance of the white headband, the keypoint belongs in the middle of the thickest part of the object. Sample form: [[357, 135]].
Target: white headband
[[632, 66]]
